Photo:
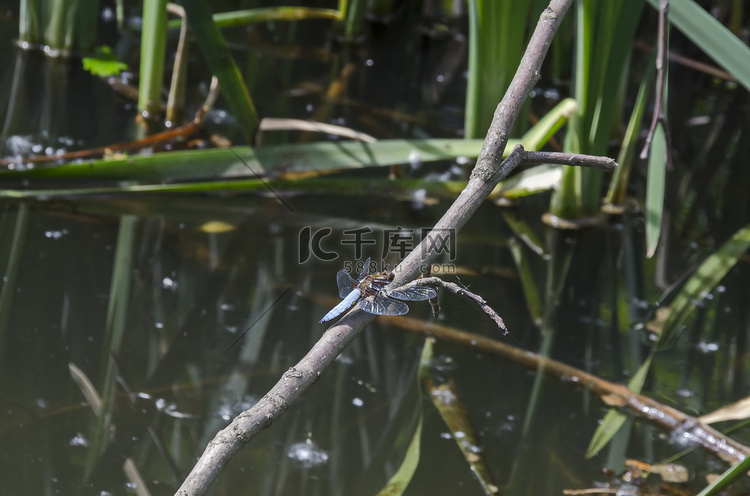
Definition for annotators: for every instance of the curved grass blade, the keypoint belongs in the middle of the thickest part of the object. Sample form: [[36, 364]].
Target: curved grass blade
[[703, 281], [711, 36], [528, 284], [614, 419], [547, 126], [732, 473], [619, 183], [15, 252], [222, 64], [401, 479]]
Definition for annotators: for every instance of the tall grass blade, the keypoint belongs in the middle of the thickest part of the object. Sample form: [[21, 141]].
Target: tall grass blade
[[711, 36], [61, 22], [114, 330], [604, 36], [355, 18], [528, 284], [29, 25], [497, 30], [87, 15], [702, 282], [10, 274], [618, 185], [657, 171], [401, 479], [222, 65]]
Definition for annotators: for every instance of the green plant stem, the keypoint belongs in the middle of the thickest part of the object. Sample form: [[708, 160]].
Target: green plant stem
[[153, 43]]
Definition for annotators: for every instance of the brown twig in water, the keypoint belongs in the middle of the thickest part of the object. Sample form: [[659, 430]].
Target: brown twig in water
[[486, 174], [685, 428], [181, 131]]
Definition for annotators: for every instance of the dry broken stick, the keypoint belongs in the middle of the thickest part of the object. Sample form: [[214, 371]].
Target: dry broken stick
[[486, 174], [463, 292]]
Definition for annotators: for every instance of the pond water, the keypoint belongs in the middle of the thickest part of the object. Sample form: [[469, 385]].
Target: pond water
[[190, 307]]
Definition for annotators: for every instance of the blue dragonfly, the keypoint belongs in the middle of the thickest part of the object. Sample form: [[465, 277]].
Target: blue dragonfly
[[370, 293]]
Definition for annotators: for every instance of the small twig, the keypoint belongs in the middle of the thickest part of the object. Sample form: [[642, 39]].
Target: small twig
[[577, 159], [463, 292], [176, 98], [661, 86], [691, 63]]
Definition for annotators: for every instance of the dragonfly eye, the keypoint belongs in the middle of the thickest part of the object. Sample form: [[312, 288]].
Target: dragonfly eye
[[391, 275]]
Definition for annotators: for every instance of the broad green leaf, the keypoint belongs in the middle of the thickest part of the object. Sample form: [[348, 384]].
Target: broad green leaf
[[657, 171], [530, 181], [614, 420], [218, 164], [703, 281], [401, 479], [103, 63], [711, 36]]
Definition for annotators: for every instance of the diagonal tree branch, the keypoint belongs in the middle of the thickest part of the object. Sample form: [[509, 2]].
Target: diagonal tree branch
[[488, 171]]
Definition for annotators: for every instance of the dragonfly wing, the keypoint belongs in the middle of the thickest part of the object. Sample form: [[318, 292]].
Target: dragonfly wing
[[365, 269], [345, 283], [343, 306], [382, 305], [413, 293]]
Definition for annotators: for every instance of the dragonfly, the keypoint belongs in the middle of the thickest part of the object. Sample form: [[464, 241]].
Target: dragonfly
[[370, 293]]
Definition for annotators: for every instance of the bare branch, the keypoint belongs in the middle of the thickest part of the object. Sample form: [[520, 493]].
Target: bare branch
[[580, 160], [661, 85], [485, 176]]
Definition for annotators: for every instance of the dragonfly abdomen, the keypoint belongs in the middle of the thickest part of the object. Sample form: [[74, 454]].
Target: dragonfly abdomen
[[343, 306]]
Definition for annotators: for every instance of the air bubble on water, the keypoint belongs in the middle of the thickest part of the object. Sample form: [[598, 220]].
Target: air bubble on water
[[307, 454]]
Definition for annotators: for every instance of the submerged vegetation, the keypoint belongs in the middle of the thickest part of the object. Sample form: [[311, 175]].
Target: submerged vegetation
[[365, 117]]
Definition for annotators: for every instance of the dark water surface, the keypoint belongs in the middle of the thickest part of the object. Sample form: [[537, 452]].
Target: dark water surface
[[155, 290]]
